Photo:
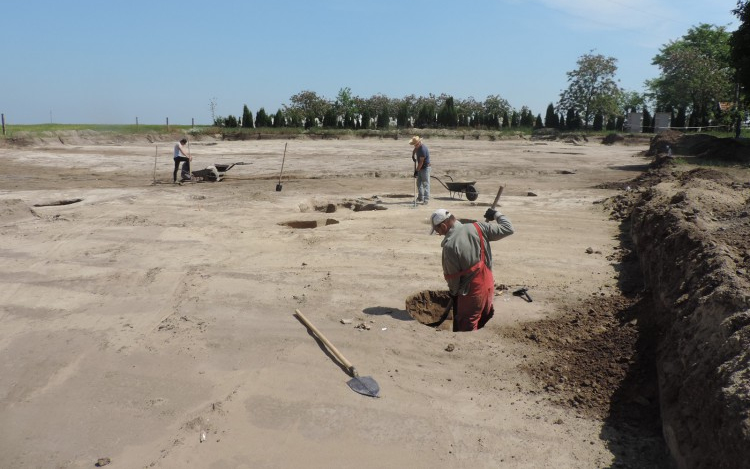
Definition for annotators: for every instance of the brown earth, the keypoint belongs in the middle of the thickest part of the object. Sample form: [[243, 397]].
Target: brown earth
[[147, 313]]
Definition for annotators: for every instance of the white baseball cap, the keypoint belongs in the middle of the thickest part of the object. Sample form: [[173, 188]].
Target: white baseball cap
[[438, 217]]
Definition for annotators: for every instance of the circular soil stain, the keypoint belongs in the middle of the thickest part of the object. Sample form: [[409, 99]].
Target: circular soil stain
[[428, 306]]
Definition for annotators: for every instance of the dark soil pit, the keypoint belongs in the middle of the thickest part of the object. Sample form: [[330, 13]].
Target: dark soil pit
[[59, 202], [327, 208], [428, 307], [354, 205], [309, 224], [399, 196], [362, 206]]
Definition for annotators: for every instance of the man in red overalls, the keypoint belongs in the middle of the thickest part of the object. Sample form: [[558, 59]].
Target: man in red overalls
[[467, 265]]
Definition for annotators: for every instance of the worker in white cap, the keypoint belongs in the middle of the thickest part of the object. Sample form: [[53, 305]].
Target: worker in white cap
[[467, 264]]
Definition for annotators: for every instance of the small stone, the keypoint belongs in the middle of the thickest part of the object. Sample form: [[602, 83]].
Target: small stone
[[101, 462], [346, 321], [589, 250], [450, 348]]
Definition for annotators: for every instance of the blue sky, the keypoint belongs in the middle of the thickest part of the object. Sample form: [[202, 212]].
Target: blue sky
[[110, 62]]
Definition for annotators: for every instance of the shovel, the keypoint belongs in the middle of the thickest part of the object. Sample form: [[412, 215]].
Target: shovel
[[364, 385], [497, 199], [278, 186]]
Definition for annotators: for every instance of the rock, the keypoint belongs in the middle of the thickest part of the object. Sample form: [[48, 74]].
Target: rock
[[530, 194], [450, 348], [101, 462], [346, 321]]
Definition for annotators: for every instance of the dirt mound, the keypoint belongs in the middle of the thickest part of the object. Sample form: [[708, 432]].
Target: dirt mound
[[690, 231], [14, 210], [611, 139], [699, 145], [676, 341]]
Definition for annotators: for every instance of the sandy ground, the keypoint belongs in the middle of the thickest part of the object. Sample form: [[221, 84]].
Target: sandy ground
[[149, 313]]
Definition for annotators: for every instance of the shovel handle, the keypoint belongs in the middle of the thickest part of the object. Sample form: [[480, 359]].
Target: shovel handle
[[497, 197], [327, 343]]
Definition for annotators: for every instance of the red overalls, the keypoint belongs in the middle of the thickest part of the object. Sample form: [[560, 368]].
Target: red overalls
[[475, 308]]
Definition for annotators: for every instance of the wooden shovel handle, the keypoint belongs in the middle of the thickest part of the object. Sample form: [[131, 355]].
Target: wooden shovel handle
[[327, 343], [497, 197]]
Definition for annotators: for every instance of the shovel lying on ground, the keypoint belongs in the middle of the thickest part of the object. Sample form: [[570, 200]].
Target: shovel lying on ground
[[364, 385]]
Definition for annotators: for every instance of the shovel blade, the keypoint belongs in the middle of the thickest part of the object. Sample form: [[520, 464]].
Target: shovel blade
[[364, 385], [278, 187]]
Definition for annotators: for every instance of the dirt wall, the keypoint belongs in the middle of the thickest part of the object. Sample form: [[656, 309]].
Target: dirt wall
[[691, 232]]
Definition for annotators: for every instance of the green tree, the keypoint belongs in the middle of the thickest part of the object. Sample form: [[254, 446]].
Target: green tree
[[591, 87], [550, 118], [538, 123], [230, 121], [598, 121], [261, 119], [527, 117], [695, 72], [307, 105], [247, 118], [611, 123], [740, 59], [448, 117], [648, 122], [278, 119]]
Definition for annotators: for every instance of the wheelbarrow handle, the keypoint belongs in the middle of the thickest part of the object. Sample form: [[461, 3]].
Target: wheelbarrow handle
[[327, 343]]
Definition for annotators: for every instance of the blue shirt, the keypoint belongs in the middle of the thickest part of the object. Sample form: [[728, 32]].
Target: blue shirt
[[423, 152]]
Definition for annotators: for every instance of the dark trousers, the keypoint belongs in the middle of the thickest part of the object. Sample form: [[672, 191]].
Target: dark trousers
[[177, 162]]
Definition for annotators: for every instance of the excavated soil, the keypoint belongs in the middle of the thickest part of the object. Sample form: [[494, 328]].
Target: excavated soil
[[668, 356], [662, 355]]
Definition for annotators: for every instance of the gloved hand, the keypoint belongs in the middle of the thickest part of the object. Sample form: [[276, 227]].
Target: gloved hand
[[416, 173], [490, 214]]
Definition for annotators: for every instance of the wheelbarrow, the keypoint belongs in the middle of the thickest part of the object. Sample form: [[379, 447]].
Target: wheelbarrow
[[456, 188], [215, 172]]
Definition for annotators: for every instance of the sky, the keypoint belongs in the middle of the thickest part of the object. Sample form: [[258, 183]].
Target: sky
[[112, 62]]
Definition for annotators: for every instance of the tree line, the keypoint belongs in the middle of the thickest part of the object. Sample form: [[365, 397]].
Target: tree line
[[704, 81]]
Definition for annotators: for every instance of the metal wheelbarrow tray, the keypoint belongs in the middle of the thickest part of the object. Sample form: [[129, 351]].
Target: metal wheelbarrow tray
[[459, 188]]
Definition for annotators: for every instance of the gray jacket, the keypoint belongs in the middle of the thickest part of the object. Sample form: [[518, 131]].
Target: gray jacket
[[461, 249]]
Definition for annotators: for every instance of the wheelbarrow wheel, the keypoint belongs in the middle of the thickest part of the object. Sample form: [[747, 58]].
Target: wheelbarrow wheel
[[471, 193]]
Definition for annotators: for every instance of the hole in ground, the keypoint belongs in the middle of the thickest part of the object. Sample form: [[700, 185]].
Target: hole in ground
[[308, 224], [428, 307]]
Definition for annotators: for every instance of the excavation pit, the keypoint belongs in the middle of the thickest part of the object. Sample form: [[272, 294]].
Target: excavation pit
[[429, 306], [309, 224]]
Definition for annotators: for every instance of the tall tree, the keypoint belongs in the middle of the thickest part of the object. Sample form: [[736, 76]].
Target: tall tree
[[598, 122], [278, 119], [740, 59], [591, 87], [261, 119], [247, 118], [696, 72], [550, 118], [309, 106], [448, 117]]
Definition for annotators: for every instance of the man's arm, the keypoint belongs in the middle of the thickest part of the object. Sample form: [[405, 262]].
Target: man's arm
[[499, 230], [185, 153]]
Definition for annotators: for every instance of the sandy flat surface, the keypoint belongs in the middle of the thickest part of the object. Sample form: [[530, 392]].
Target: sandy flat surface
[[148, 313]]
